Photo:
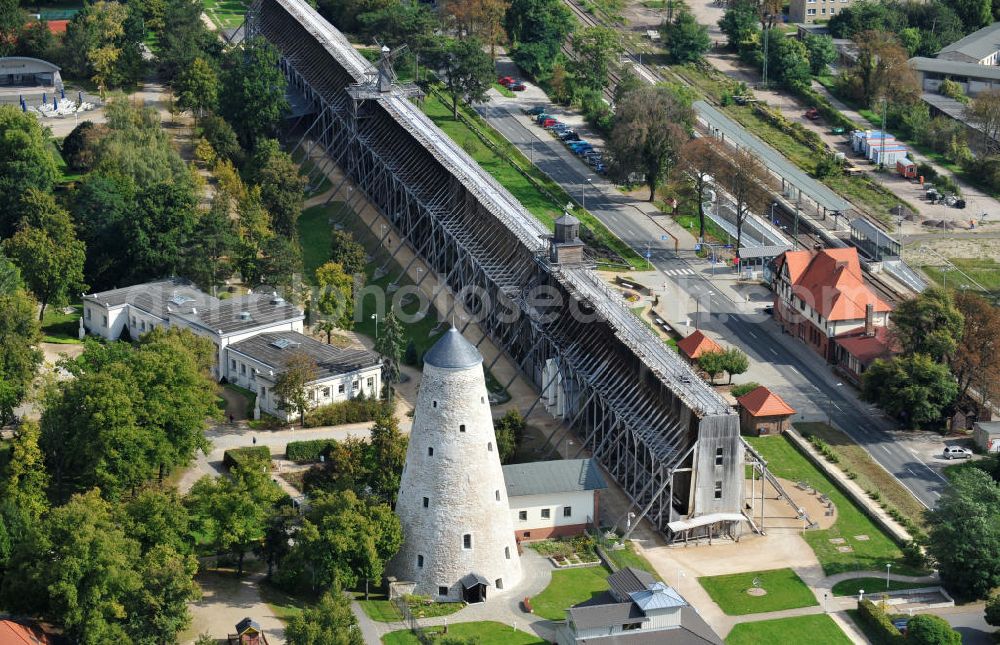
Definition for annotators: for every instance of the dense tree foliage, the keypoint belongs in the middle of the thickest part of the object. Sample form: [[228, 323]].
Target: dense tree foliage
[[46, 250], [103, 43], [183, 39], [686, 40], [537, 30], [928, 324], [597, 50], [390, 344], [923, 28], [964, 534], [290, 386], [928, 629], [282, 186], [328, 622], [912, 387], [234, 510], [343, 540], [19, 335], [253, 95], [197, 87], [822, 53], [26, 161], [82, 569], [651, 126], [509, 430], [465, 69], [129, 415]]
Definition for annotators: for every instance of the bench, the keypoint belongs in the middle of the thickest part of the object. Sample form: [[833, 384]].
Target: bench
[[526, 605]]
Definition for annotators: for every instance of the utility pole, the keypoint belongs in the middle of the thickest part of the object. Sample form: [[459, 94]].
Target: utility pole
[[766, 52]]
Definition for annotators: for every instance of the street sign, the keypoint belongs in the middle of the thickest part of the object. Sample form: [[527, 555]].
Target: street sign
[[664, 238], [648, 255], [697, 247]]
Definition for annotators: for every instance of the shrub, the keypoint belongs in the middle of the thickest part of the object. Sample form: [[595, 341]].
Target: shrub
[[927, 629], [304, 451], [926, 171], [357, 410], [743, 388], [877, 619], [914, 555], [247, 457]]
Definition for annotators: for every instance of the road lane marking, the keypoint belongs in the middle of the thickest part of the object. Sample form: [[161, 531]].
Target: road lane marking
[[885, 449], [911, 471], [772, 351], [751, 333]]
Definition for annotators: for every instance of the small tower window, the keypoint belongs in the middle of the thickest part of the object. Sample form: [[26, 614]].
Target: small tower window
[[718, 456], [420, 561], [482, 399], [498, 495], [718, 490], [499, 583], [506, 552], [461, 428], [434, 404], [489, 446], [427, 502], [430, 451], [442, 591], [467, 541]]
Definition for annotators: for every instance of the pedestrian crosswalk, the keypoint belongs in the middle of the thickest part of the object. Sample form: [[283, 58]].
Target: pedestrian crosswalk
[[677, 272]]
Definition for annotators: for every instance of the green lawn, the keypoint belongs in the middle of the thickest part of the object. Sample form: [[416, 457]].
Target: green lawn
[[784, 460], [314, 236], [59, 327], [569, 587], [627, 557], [379, 608], [984, 271], [815, 630], [785, 590], [283, 605], [871, 476], [873, 585], [226, 14], [481, 633]]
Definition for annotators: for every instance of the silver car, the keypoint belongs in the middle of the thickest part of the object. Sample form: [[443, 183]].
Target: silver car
[[957, 452]]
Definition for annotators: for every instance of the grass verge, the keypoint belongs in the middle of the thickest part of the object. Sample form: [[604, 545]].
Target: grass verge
[[283, 605], [545, 208], [815, 630], [870, 554], [984, 271], [873, 585], [567, 588], [627, 557], [62, 328], [481, 633], [875, 480], [785, 590]]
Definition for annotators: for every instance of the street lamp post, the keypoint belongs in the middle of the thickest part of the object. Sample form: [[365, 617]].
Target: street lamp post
[[375, 318], [888, 565], [584, 200]]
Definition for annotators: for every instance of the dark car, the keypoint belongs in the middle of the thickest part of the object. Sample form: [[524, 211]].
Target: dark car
[[600, 169], [517, 87], [569, 135], [535, 111]]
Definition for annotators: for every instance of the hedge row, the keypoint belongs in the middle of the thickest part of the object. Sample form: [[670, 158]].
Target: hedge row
[[833, 116], [303, 451], [877, 619], [353, 411], [246, 456]]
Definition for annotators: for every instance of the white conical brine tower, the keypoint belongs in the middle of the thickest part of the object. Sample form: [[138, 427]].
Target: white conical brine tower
[[458, 535]]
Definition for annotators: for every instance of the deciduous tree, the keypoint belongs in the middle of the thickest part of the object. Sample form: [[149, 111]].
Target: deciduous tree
[[651, 126], [334, 304], [984, 112], [282, 188], [992, 609], [20, 333], [882, 70], [913, 387], [290, 386], [537, 30], [821, 53], [509, 430], [928, 629], [744, 179], [596, 50], [928, 324], [328, 622], [26, 162], [466, 70], [12, 18], [712, 363], [253, 97], [197, 87], [701, 161], [46, 249], [347, 253], [976, 359], [735, 362]]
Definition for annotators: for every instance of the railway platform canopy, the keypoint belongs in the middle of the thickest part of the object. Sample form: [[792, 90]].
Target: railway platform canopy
[[795, 182]]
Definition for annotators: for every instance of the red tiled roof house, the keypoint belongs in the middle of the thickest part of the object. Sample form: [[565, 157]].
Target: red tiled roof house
[[763, 412], [820, 295], [696, 344]]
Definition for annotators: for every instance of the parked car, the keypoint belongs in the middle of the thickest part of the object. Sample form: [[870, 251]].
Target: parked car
[[569, 135], [506, 81], [548, 122], [517, 87], [540, 118], [555, 124], [957, 452], [600, 169], [581, 150], [579, 143], [535, 111], [812, 114]]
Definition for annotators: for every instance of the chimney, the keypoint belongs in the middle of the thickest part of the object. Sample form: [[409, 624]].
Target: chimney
[[869, 320]]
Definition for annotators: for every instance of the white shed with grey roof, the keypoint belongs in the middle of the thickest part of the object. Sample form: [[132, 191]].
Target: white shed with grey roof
[[553, 498]]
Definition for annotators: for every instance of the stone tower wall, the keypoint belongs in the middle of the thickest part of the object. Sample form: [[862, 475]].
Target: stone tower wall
[[463, 483]]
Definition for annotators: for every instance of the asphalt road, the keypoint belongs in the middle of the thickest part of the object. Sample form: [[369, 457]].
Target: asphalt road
[[806, 373]]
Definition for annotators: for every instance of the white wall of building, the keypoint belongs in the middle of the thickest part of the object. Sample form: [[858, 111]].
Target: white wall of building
[[579, 503]]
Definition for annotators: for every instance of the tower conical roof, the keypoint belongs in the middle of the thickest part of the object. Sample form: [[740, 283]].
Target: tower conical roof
[[452, 351]]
